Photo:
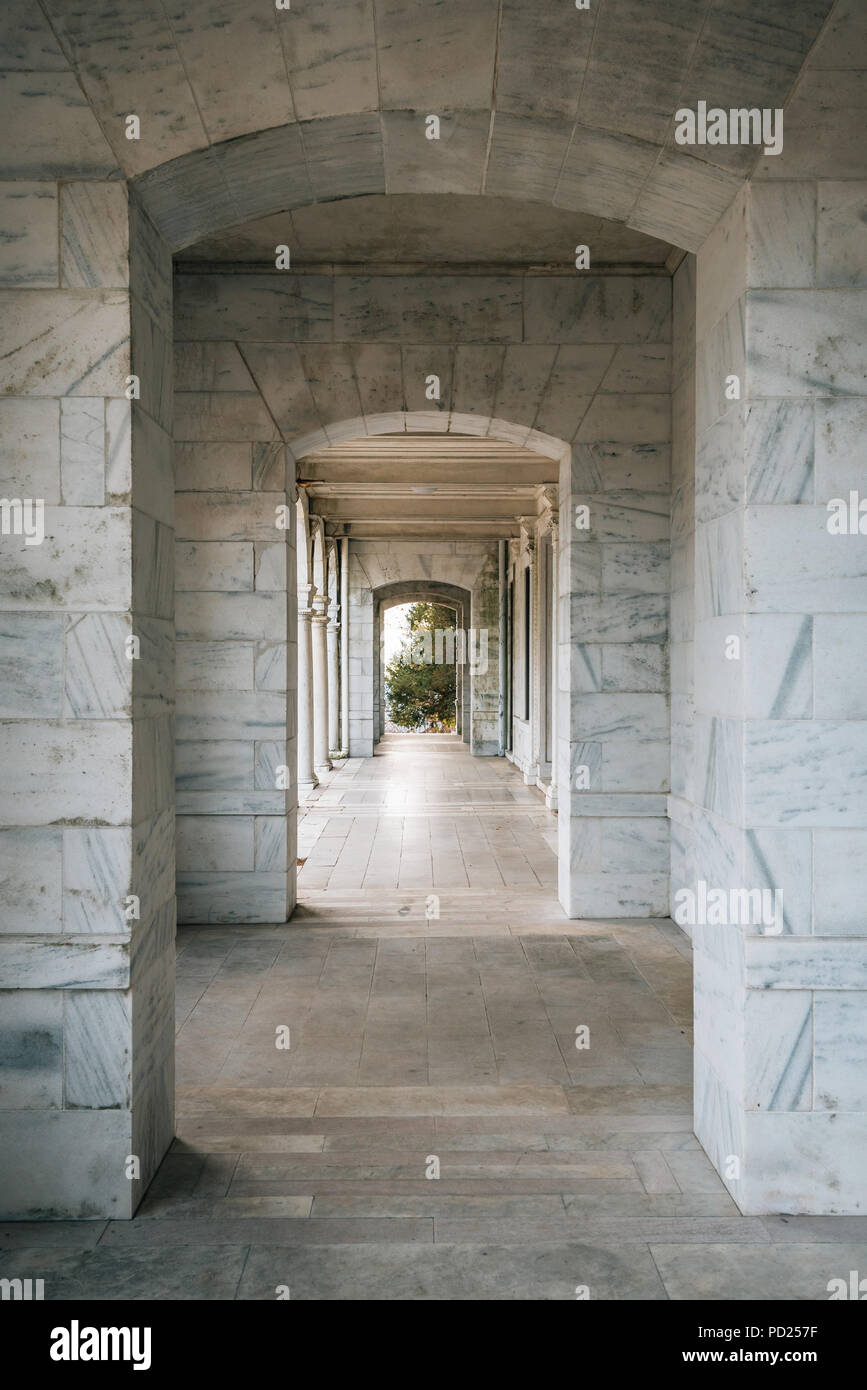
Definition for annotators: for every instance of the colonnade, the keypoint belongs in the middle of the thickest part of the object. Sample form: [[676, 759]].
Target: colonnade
[[530, 697], [322, 656]]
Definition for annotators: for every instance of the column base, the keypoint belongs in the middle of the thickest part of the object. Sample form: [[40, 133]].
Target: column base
[[323, 769], [306, 786]]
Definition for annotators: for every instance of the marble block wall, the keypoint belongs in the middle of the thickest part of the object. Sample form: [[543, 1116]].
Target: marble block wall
[[706, 805], [612, 633], [781, 732], [556, 363], [682, 616], [86, 704], [469, 565], [236, 659]]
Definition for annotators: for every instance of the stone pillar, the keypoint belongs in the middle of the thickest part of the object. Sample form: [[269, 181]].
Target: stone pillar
[[612, 717], [360, 657], [87, 696], [537, 713], [235, 576], [307, 778], [319, 622], [780, 724], [502, 649], [531, 770], [467, 683], [551, 790], [379, 694], [482, 675], [344, 644], [333, 641]]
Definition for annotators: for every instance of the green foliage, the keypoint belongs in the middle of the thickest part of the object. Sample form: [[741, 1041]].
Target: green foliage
[[430, 616], [421, 695]]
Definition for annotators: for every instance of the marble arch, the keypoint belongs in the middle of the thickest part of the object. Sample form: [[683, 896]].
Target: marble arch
[[404, 591], [773, 294]]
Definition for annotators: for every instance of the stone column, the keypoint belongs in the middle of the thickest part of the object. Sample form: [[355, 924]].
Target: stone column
[[235, 755], [344, 644], [307, 778], [777, 822], [612, 724], [526, 749], [551, 792], [319, 621], [482, 675], [333, 643], [360, 656], [87, 693], [502, 553], [378, 672], [533, 773]]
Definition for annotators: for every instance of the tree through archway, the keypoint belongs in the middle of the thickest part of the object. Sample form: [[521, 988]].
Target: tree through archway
[[421, 677]]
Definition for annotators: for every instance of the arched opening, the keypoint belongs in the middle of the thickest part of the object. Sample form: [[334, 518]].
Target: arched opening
[[425, 515], [419, 661], [405, 592], [695, 412]]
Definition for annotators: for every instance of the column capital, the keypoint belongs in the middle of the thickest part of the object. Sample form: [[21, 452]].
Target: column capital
[[527, 536]]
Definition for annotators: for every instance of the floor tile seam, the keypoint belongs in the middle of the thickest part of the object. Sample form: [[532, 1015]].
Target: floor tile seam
[[247, 1252], [660, 1155], [655, 993], [648, 1247]]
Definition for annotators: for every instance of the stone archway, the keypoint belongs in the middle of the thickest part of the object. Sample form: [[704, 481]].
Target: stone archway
[[431, 591], [89, 348]]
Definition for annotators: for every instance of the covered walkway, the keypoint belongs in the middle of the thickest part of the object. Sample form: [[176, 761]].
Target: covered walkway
[[384, 1099], [400, 303], [425, 815]]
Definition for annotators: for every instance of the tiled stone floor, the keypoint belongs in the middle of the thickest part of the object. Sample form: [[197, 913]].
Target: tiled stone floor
[[414, 1037], [424, 814]]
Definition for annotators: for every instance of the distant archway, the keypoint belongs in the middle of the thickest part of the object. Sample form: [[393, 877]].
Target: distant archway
[[420, 591]]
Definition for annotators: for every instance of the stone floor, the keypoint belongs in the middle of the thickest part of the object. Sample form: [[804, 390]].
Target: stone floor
[[417, 1037], [424, 814]]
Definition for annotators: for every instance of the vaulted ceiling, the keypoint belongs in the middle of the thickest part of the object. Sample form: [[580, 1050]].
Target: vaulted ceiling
[[421, 230], [247, 110]]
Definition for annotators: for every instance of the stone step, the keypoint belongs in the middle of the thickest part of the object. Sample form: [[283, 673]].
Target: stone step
[[408, 1101]]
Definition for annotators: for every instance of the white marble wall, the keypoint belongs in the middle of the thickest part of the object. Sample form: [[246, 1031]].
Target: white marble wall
[[684, 770], [776, 743], [542, 361], [87, 823], [613, 706], [554, 363], [780, 734], [236, 617]]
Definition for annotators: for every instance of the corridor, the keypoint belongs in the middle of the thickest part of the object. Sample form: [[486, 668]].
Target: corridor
[[425, 816], [374, 1103], [343, 345]]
